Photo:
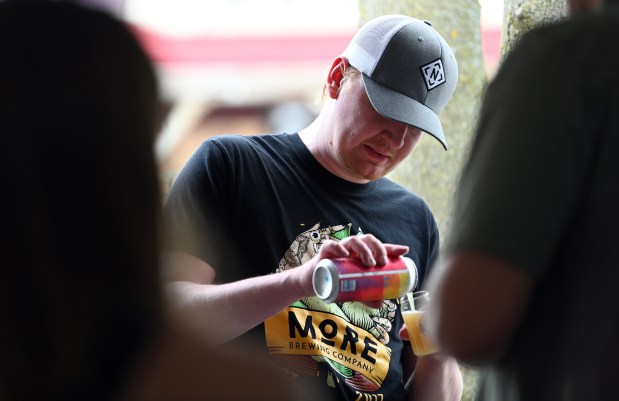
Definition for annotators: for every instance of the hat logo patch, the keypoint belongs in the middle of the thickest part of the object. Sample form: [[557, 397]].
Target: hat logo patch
[[433, 74]]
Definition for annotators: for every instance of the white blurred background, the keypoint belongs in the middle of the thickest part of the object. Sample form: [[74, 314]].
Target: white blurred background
[[247, 66]]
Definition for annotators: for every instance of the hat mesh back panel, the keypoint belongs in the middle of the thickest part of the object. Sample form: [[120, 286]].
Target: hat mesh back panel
[[377, 36]]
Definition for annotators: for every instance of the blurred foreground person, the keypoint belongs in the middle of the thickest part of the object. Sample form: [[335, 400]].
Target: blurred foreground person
[[527, 286], [80, 300]]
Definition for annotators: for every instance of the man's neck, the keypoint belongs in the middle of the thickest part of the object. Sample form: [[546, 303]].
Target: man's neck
[[317, 143]]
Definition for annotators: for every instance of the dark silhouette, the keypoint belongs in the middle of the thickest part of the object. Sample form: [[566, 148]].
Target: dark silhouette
[[80, 302], [527, 286]]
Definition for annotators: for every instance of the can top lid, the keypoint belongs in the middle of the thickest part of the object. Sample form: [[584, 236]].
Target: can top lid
[[412, 268], [322, 282]]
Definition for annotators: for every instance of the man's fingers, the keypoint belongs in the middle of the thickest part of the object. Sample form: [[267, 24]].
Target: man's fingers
[[396, 250], [365, 247]]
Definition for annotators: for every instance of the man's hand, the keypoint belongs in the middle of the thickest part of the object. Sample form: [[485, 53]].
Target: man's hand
[[367, 248]]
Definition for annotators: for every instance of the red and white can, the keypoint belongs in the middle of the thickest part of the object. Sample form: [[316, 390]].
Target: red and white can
[[348, 279]]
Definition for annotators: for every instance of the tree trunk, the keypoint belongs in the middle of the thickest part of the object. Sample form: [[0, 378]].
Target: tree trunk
[[521, 16]]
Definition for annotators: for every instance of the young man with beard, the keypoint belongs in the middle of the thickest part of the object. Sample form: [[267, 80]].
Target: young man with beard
[[282, 202]]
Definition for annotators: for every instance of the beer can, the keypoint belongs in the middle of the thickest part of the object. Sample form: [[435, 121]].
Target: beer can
[[347, 279]]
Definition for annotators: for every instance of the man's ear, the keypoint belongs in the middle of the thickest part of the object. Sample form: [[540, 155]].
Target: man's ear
[[336, 75]]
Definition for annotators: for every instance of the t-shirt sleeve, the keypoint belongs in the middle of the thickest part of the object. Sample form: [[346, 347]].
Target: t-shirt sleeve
[[199, 189], [525, 174]]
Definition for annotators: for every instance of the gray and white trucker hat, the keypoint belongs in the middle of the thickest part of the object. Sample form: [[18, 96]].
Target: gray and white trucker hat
[[408, 69]]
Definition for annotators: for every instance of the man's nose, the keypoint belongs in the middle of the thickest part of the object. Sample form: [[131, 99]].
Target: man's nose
[[395, 134]]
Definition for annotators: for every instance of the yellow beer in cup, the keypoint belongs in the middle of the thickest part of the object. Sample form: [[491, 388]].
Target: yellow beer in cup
[[412, 312]]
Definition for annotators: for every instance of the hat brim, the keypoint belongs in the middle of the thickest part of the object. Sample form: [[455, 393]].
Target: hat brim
[[396, 106]]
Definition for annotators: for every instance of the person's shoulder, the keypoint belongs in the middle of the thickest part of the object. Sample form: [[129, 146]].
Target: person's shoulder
[[239, 141], [225, 144], [550, 53], [275, 140], [594, 32], [595, 28], [235, 147], [227, 140]]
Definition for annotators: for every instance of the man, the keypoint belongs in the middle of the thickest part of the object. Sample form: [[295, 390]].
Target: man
[[286, 201], [527, 285]]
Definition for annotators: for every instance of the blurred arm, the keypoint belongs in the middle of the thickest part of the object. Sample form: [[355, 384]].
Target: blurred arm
[[222, 312], [478, 302], [436, 379]]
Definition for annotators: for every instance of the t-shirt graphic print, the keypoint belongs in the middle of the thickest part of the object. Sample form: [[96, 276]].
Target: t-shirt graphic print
[[349, 339]]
